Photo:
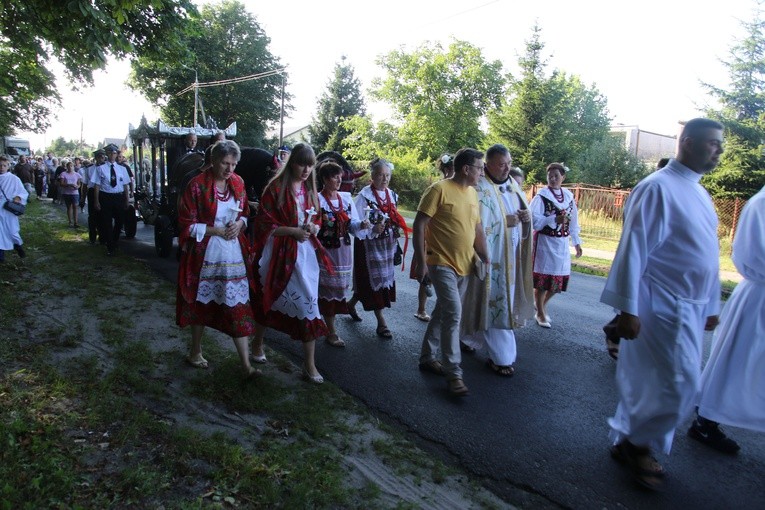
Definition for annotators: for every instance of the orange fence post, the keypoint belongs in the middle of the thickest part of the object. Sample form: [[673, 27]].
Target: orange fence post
[[734, 223]]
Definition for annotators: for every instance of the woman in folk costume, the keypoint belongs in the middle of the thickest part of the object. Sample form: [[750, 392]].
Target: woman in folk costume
[[214, 276], [339, 219], [287, 282], [556, 223], [733, 381], [11, 190], [501, 300], [374, 250]]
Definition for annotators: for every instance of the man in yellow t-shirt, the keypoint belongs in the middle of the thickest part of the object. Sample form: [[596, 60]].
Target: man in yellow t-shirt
[[448, 223]]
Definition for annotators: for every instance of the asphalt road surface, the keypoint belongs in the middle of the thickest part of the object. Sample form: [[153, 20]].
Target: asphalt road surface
[[538, 439]]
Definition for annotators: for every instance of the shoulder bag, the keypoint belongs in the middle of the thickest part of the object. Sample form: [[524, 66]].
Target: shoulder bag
[[11, 206]]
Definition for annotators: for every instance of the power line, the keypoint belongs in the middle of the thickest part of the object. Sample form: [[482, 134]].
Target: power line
[[229, 81]]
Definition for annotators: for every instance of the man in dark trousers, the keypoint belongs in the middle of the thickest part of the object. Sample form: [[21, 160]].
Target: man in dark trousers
[[110, 197], [93, 215]]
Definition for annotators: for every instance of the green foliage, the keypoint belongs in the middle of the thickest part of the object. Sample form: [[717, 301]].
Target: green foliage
[[81, 34], [342, 100], [741, 109], [410, 177], [543, 120], [62, 147], [440, 96], [366, 140], [223, 41], [607, 163]]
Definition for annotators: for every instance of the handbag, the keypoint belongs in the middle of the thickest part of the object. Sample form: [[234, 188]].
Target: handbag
[[398, 257], [13, 207]]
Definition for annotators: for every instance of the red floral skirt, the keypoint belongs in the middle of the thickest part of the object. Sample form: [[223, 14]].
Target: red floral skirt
[[550, 282], [237, 321], [304, 330], [333, 307]]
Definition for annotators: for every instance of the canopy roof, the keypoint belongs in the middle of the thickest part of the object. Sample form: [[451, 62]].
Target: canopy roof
[[161, 130]]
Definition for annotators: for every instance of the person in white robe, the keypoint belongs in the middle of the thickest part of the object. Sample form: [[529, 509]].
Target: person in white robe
[[733, 381], [665, 282], [495, 305], [12, 190]]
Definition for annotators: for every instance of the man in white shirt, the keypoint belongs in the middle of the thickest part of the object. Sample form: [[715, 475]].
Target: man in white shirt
[[93, 215], [665, 282], [110, 197]]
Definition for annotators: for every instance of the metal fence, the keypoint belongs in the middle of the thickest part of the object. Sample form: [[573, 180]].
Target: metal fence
[[601, 210]]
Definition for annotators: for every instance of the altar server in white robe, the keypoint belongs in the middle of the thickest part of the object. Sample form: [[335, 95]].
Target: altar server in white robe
[[504, 298], [11, 189], [665, 282], [733, 381]]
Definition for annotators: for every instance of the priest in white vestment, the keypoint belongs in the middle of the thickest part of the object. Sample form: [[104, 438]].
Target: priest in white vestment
[[665, 282], [733, 381], [503, 299]]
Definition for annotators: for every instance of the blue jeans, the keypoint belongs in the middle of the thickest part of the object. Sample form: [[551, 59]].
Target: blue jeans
[[444, 326]]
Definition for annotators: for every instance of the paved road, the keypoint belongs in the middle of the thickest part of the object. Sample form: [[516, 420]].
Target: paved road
[[538, 439]]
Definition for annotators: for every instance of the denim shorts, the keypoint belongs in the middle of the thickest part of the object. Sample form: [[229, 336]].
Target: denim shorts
[[73, 200]]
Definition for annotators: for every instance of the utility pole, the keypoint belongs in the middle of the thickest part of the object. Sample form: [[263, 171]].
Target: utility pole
[[196, 98], [281, 115]]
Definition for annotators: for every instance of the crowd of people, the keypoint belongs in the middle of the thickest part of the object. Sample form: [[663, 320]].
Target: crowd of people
[[312, 251], [285, 260], [494, 261]]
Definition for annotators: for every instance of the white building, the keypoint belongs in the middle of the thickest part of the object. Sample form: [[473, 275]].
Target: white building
[[647, 146]]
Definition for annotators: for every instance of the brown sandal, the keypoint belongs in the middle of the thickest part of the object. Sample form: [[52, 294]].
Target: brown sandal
[[645, 469], [433, 366], [503, 370], [457, 388]]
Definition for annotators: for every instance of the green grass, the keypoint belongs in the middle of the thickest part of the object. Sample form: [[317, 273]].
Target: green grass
[[90, 431]]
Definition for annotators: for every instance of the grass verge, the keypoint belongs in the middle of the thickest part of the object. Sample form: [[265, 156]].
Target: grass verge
[[97, 412]]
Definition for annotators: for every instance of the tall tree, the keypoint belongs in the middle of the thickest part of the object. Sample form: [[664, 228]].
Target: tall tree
[[221, 42], [440, 95], [81, 34], [741, 109], [608, 163], [545, 119], [341, 100]]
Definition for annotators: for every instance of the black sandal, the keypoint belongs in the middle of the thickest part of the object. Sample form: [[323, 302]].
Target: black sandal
[[384, 332]]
